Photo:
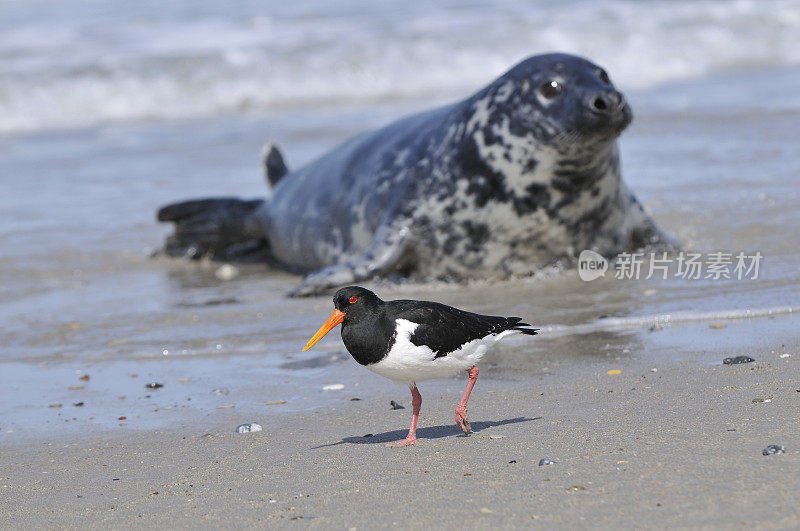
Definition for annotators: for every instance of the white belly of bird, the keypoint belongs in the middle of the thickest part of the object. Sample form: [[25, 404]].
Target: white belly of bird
[[407, 362]]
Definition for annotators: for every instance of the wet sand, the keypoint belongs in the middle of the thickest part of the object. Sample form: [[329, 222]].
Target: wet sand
[[678, 446], [712, 152]]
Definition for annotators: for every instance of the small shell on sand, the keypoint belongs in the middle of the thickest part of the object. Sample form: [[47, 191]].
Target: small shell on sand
[[773, 449], [249, 427], [737, 360]]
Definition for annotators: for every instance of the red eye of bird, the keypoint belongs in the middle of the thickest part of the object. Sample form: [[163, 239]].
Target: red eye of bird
[[353, 299]]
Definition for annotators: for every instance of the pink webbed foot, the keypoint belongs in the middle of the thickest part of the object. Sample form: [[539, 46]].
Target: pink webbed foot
[[461, 420], [408, 441]]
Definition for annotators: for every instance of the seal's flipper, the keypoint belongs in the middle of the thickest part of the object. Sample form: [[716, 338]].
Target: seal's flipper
[[644, 231], [225, 229], [274, 166], [388, 252]]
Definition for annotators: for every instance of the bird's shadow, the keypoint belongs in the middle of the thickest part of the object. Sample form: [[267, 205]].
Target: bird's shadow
[[430, 432]]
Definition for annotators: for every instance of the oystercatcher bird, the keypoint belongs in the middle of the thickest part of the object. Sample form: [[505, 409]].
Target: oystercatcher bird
[[409, 341]]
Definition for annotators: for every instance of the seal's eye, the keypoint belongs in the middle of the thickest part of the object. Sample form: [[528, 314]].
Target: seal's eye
[[603, 76], [353, 299], [551, 89]]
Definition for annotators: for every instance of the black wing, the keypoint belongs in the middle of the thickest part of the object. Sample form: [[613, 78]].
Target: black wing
[[445, 329]]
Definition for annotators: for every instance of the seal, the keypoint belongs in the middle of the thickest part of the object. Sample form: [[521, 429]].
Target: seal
[[523, 174]]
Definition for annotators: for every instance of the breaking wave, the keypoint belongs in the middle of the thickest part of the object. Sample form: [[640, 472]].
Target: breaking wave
[[74, 64]]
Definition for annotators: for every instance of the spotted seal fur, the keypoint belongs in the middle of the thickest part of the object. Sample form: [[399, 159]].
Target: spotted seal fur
[[521, 174]]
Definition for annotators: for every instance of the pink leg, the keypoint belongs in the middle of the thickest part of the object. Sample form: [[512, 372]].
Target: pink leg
[[416, 404], [461, 408]]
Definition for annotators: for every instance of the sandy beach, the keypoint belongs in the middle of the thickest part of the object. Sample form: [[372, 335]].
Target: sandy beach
[[672, 441], [110, 110]]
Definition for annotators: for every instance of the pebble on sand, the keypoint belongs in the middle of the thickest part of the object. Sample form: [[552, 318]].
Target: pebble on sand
[[614, 372], [773, 449], [249, 427], [227, 272], [333, 387], [737, 360]]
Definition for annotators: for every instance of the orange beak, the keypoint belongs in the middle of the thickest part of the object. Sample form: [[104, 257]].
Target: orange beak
[[335, 319]]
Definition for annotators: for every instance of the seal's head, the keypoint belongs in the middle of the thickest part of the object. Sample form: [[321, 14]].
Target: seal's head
[[563, 99]]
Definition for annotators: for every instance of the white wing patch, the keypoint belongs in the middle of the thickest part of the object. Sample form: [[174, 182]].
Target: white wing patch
[[407, 362]]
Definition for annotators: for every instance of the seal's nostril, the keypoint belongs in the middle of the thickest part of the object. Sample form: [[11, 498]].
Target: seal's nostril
[[599, 104]]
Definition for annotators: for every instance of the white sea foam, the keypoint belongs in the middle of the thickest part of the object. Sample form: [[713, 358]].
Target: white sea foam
[[78, 63], [616, 324]]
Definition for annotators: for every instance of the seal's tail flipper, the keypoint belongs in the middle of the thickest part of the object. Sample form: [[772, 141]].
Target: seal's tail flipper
[[225, 229], [274, 166]]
